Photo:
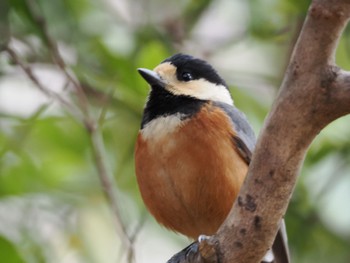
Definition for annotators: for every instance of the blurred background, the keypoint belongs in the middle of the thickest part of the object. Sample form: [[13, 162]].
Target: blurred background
[[70, 109]]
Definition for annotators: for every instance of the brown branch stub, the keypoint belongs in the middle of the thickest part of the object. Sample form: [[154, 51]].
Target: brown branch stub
[[323, 26]]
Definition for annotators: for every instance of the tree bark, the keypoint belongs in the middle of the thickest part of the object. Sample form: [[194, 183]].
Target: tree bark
[[314, 93]]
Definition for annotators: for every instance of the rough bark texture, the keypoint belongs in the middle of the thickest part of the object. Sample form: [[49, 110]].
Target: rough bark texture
[[314, 92]]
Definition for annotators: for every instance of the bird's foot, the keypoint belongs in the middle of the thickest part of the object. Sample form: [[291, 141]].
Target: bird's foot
[[202, 251]]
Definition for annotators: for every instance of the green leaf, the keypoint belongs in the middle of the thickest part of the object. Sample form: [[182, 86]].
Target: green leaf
[[9, 253]]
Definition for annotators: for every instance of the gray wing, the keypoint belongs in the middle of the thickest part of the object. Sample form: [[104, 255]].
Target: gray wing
[[245, 139], [245, 142]]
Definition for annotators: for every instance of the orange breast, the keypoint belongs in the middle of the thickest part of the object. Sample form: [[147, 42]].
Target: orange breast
[[190, 178]]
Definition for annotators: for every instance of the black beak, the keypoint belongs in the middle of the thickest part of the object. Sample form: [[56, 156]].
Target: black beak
[[151, 77]]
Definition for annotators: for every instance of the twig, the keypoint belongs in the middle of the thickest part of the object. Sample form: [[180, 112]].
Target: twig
[[107, 183], [134, 235], [91, 125], [49, 93], [51, 44]]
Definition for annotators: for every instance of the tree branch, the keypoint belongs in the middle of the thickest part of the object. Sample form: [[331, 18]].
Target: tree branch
[[314, 92], [56, 56], [312, 95], [30, 74], [82, 110]]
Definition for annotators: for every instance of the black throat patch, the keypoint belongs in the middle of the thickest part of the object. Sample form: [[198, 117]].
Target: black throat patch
[[163, 103]]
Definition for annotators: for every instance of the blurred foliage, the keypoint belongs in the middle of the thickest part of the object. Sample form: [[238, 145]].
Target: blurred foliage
[[8, 252], [52, 207]]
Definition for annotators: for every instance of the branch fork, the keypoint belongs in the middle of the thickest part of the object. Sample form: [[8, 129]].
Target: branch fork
[[314, 93]]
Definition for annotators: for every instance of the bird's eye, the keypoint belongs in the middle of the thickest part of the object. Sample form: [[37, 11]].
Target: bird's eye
[[186, 76]]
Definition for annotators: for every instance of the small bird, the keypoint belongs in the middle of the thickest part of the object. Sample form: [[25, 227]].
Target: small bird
[[193, 150]]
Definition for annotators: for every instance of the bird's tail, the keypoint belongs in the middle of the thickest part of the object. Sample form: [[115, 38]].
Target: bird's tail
[[279, 252]]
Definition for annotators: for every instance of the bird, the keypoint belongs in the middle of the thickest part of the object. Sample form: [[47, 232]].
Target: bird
[[193, 150]]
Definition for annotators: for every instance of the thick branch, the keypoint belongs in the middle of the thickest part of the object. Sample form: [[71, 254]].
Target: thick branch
[[314, 92]]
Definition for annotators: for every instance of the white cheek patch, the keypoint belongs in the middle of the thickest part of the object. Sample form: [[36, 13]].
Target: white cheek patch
[[208, 91], [199, 88], [203, 90], [162, 126]]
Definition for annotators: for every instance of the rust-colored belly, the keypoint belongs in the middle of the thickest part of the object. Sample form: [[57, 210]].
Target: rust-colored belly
[[190, 178]]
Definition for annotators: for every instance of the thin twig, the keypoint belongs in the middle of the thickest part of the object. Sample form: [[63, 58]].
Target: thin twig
[[52, 46], [91, 125], [107, 181], [134, 235], [30, 74]]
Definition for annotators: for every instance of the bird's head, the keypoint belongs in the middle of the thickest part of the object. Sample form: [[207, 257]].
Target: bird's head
[[184, 75], [180, 85]]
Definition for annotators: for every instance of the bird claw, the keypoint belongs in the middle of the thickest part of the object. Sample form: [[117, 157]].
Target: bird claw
[[203, 238], [188, 254], [204, 250]]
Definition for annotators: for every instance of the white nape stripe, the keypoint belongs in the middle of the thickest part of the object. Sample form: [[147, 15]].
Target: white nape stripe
[[203, 90], [162, 126], [214, 92]]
